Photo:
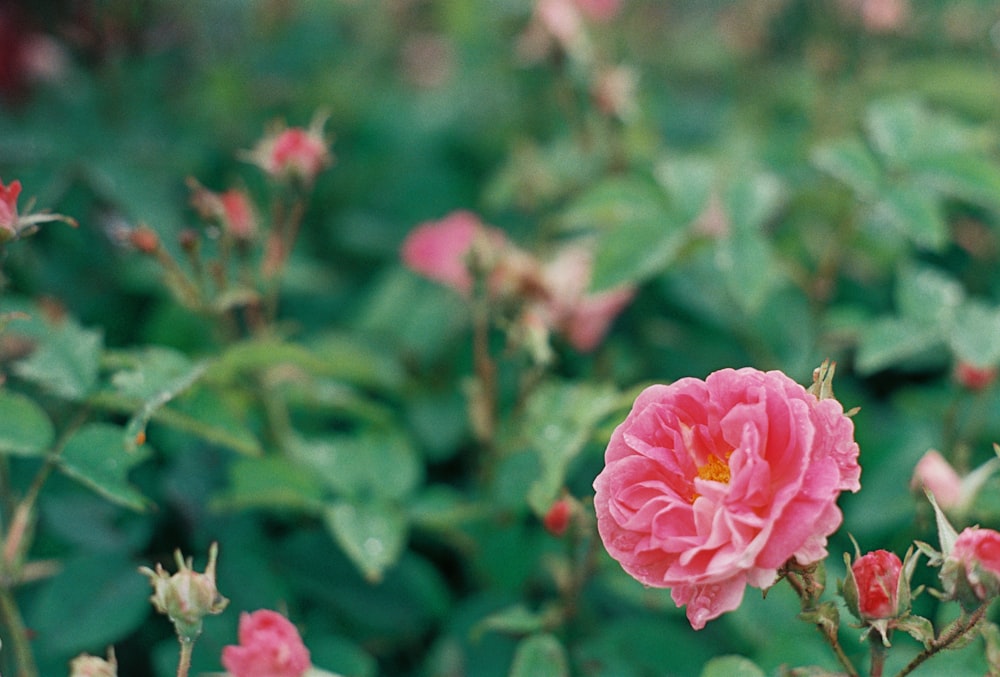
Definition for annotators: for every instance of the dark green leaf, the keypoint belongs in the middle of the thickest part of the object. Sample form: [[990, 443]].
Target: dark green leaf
[[26, 429], [271, 482], [97, 457]]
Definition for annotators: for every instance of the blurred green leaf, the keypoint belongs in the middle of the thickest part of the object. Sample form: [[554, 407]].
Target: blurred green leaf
[[358, 360], [928, 296], [270, 482], [974, 334], [749, 269], [731, 666], [965, 176], [689, 183], [752, 200], [94, 601], [561, 417], [518, 620], [97, 457], [890, 340], [851, 162], [540, 655], [917, 213], [370, 463], [372, 533], [65, 362], [26, 429]]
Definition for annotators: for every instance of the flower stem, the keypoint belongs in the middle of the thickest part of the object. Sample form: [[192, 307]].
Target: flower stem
[[952, 635], [10, 616], [184, 665]]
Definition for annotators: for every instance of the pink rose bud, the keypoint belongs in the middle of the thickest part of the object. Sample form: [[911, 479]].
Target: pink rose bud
[[186, 597], [86, 665], [711, 486], [8, 209], [557, 518], [876, 577], [971, 571], [294, 152], [270, 646], [974, 378], [937, 476]]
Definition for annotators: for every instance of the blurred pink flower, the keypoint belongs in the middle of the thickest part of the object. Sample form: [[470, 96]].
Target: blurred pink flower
[[294, 152], [270, 646], [936, 475], [971, 571], [238, 215], [876, 577], [440, 250], [710, 486], [599, 10], [582, 317], [8, 208], [974, 378]]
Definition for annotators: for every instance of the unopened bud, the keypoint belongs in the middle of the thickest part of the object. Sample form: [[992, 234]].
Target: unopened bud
[[86, 665], [144, 239], [187, 596]]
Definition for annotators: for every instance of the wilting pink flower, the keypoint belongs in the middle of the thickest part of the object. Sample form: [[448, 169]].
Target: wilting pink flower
[[876, 577], [936, 475], [294, 152], [8, 208], [710, 486], [582, 317], [270, 646]]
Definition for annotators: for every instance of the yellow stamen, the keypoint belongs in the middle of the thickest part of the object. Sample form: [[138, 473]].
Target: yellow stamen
[[715, 469]]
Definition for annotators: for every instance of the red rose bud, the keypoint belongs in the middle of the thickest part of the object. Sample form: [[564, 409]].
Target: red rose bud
[[876, 577], [557, 518], [144, 240]]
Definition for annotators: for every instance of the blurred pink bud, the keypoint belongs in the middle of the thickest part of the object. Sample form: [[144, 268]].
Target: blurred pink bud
[[444, 250], [294, 152], [971, 571], [8, 209], [238, 215], [599, 10], [876, 576], [582, 317], [974, 378], [558, 516], [562, 20], [270, 646], [884, 16], [936, 475]]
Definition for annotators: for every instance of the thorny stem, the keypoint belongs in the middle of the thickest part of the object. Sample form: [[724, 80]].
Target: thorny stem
[[954, 633], [809, 590]]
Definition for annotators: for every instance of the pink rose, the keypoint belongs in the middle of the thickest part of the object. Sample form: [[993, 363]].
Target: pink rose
[[971, 571], [710, 486], [937, 476], [8, 208], [876, 577], [269, 646]]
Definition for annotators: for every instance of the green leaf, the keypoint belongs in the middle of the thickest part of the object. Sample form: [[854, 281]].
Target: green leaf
[[689, 183], [749, 269], [518, 620], [968, 177], [368, 463], [372, 533], [65, 361], [896, 128], [731, 666], [561, 417], [359, 361], [890, 340], [751, 201], [928, 296], [974, 334], [851, 162], [917, 213], [94, 601], [271, 482], [616, 203], [96, 456], [168, 386], [26, 429], [540, 655]]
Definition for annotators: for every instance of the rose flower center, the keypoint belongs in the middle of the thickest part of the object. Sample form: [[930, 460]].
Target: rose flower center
[[715, 469]]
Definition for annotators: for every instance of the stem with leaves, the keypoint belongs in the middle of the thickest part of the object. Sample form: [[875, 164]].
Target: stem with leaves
[[807, 582], [955, 632]]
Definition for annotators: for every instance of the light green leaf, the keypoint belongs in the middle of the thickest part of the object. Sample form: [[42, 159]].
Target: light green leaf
[[561, 417], [890, 340], [369, 463], [518, 620], [540, 655], [974, 334], [615, 203], [65, 361], [26, 429], [271, 482], [917, 213], [753, 200], [689, 183], [372, 533], [965, 176], [164, 383], [851, 162], [731, 666], [96, 457], [928, 296], [749, 269]]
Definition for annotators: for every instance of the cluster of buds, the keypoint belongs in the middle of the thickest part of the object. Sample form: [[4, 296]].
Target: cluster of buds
[[550, 296], [187, 596], [14, 225]]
